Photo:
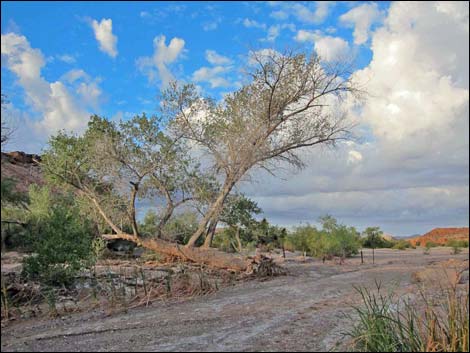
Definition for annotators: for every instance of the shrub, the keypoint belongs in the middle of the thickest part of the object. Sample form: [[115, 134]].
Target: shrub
[[401, 245], [333, 240], [61, 240], [457, 243], [431, 244]]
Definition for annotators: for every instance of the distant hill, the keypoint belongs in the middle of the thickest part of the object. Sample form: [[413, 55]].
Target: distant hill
[[442, 236], [22, 167]]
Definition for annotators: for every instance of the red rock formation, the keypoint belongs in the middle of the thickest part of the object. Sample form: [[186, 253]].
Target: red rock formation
[[442, 235]]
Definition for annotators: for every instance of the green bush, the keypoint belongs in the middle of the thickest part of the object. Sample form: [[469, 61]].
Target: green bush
[[61, 240], [457, 243], [333, 240], [401, 245], [431, 244]]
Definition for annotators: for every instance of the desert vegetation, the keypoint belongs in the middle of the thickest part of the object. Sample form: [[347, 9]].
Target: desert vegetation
[[165, 186], [435, 321]]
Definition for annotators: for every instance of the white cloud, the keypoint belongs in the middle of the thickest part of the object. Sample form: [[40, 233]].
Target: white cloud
[[74, 75], [419, 57], [361, 18], [67, 58], [90, 93], [273, 33], [157, 65], [253, 24], [331, 48], [315, 12], [104, 35], [279, 15], [411, 172], [327, 47], [58, 107], [211, 25], [217, 59], [211, 75], [354, 156], [305, 36], [275, 30]]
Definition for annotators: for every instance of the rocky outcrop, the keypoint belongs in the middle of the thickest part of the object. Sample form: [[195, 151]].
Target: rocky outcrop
[[21, 157], [23, 167], [441, 236]]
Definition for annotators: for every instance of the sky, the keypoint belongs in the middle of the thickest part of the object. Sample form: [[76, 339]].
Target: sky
[[408, 171]]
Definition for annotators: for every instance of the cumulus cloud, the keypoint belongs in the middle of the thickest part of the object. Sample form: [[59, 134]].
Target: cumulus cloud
[[211, 75], [327, 47], [313, 13], [361, 18], [104, 35], [57, 105], [163, 55], [411, 172], [253, 24], [217, 59], [275, 30], [214, 75], [67, 58]]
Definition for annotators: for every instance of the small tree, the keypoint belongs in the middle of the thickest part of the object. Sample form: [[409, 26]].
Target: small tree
[[238, 214], [374, 239]]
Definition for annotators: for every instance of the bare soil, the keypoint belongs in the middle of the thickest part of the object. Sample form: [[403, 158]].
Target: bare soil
[[303, 311]]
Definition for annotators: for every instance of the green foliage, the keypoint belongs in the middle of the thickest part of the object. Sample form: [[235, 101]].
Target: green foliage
[[373, 238], [181, 227], [149, 225], [113, 165], [14, 214], [61, 240], [401, 245], [457, 243], [263, 233], [332, 240], [10, 196], [251, 235], [431, 244], [239, 211]]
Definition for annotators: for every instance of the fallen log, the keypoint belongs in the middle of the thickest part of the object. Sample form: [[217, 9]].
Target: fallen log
[[208, 256]]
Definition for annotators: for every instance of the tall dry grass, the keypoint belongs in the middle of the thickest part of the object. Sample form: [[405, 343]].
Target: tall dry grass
[[437, 321]]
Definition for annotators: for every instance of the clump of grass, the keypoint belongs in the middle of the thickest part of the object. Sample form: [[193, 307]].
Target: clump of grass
[[434, 324]]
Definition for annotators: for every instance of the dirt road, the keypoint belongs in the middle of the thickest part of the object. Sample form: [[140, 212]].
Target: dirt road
[[303, 311]]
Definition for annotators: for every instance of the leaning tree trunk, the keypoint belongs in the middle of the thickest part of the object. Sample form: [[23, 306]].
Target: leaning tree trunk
[[213, 213], [210, 234], [211, 257]]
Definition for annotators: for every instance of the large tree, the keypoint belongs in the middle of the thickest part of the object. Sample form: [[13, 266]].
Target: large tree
[[290, 101]]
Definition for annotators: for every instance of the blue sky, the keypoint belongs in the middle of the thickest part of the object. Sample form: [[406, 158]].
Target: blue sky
[[62, 61], [59, 29]]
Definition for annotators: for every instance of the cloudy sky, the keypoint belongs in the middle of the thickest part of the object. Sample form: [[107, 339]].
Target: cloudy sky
[[407, 173]]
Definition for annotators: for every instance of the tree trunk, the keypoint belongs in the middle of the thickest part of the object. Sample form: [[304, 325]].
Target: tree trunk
[[239, 242], [211, 257], [213, 212], [210, 234]]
